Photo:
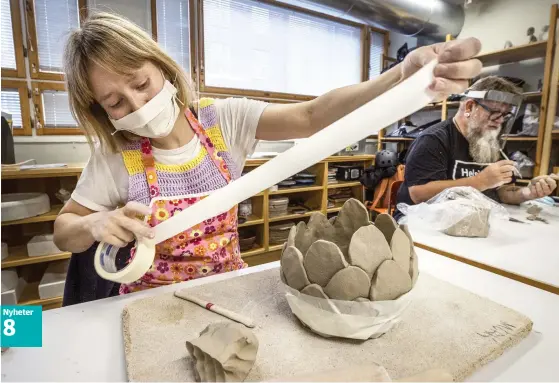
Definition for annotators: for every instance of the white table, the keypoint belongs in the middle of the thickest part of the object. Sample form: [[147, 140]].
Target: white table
[[84, 342], [527, 252]]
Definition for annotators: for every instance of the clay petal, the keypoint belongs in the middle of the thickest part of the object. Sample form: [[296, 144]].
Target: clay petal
[[368, 249], [414, 267], [293, 270], [291, 236], [361, 299], [348, 284], [322, 261], [314, 290], [400, 247], [320, 227], [353, 216], [303, 237], [387, 225], [389, 282]]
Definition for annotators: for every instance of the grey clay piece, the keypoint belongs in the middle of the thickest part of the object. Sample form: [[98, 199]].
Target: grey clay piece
[[224, 352]]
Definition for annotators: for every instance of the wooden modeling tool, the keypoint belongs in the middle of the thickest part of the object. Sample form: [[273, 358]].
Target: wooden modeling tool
[[183, 294]]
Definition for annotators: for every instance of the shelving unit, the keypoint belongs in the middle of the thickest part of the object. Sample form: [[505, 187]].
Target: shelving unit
[[18, 233], [547, 97]]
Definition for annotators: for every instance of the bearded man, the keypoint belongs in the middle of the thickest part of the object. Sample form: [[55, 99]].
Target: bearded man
[[465, 151]]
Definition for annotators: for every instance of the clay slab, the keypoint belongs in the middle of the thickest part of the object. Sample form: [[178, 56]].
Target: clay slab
[[476, 331]]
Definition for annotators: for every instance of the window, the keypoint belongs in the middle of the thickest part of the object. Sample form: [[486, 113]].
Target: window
[[173, 30], [11, 105], [376, 53], [53, 110], [15, 101], [50, 22], [57, 109], [12, 46], [258, 46], [137, 11]]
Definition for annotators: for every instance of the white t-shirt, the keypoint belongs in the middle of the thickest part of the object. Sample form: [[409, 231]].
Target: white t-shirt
[[103, 184]]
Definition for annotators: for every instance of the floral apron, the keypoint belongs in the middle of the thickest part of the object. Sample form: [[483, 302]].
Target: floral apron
[[211, 247]]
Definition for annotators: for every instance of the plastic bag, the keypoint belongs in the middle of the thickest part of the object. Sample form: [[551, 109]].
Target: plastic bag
[[524, 164], [459, 206], [347, 319]]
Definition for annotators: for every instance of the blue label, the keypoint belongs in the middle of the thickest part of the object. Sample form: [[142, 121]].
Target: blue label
[[22, 326]]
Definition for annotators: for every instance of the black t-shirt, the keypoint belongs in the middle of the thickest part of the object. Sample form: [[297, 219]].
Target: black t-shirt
[[440, 153]]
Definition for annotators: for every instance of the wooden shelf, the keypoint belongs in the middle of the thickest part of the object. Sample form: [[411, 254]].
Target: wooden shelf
[[362, 157], [555, 135], [514, 54], [18, 257], [296, 190], [531, 96], [336, 208], [292, 216], [275, 247], [49, 216], [72, 170], [438, 105], [521, 138], [254, 251], [30, 296], [252, 220], [344, 184], [397, 139]]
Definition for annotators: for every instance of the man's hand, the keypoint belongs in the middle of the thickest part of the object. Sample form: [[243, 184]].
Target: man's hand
[[495, 175], [456, 64], [540, 187]]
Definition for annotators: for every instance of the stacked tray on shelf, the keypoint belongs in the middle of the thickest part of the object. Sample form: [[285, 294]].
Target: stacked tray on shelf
[[338, 196], [279, 232], [278, 206]]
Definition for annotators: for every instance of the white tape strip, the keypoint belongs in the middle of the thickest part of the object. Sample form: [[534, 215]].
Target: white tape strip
[[397, 103]]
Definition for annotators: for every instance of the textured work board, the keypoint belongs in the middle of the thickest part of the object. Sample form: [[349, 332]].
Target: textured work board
[[444, 327]]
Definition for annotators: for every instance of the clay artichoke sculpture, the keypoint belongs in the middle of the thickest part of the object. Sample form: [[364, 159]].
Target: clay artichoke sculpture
[[349, 258]]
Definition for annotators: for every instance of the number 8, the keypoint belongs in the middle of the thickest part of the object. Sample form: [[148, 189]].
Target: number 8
[[9, 328]]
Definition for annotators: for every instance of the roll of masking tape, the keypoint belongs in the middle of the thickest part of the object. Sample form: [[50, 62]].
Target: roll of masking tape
[[409, 96], [106, 262]]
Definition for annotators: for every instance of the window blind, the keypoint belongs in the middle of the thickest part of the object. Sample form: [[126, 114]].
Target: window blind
[[173, 20], [54, 19], [8, 52], [375, 54], [137, 11], [253, 45], [11, 104], [56, 109]]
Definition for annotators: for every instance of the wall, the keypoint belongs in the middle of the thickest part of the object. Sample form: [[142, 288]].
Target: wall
[[494, 22]]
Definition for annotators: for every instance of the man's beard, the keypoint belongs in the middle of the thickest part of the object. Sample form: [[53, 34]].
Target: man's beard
[[484, 146]]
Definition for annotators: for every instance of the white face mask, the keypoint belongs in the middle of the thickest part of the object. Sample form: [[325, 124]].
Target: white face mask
[[156, 118]]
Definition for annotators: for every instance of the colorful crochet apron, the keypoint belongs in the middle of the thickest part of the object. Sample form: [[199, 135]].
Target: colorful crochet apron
[[208, 248]]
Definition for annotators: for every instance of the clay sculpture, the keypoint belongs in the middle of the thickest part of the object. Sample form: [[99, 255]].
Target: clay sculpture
[[350, 258], [224, 352], [475, 224]]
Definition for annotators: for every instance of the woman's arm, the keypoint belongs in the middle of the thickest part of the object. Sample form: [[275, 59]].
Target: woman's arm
[[456, 66], [76, 228]]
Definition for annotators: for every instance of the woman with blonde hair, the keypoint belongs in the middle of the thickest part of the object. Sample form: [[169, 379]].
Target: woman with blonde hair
[[157, 150]]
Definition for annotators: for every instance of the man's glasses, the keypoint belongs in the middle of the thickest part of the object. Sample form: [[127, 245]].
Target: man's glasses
[[496, 114]]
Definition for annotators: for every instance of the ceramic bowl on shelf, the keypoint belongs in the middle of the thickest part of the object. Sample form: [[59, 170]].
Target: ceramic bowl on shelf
[[18, 206]]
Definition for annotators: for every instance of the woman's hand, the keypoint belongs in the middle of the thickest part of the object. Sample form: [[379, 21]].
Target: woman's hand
[[456, 64], [119, 227]]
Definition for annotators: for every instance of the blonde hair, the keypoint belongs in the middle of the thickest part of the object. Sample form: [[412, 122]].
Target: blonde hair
[[119, 46]]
